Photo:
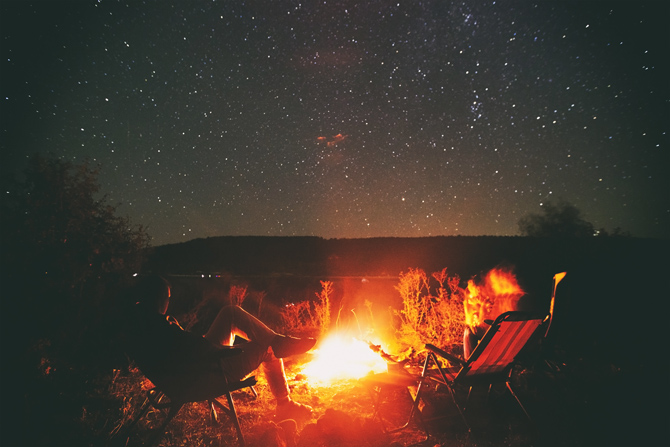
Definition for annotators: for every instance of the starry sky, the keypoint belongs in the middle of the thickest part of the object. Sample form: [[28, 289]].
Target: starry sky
[[346, 119]]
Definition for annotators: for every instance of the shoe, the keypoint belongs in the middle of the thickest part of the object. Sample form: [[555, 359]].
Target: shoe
[[285, 346], [293, 410]]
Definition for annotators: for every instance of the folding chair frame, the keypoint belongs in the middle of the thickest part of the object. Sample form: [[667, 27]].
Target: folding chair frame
[[488, 364], [497, 366], [377, 384], [154, 399]]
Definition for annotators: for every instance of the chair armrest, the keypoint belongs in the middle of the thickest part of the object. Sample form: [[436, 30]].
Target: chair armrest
[[445, 354], [218, 354], [248, 382], [224, 352]]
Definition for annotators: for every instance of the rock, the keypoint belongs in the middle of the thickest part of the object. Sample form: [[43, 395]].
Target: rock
[[373, 433], [309, 436], [273, 436], [339, 426]]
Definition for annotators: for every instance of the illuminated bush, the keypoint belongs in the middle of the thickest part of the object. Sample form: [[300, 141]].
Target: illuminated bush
[[307, 316], [429, 314]]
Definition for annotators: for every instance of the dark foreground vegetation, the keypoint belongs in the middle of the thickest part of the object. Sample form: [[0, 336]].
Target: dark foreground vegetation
[[67, 261]]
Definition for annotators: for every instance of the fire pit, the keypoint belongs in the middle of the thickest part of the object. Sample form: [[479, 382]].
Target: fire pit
[[342, 357]]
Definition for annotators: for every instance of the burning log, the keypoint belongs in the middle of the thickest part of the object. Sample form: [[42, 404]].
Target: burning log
[[390, 359], [342, 357]]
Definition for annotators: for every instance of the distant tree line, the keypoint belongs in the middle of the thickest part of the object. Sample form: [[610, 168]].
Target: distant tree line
[[561, 220]]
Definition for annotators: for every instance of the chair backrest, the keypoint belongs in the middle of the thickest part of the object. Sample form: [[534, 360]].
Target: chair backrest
[[176, 361], [558, 277], [501, 344]]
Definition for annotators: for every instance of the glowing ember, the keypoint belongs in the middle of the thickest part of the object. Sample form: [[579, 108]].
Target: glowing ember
[[341, 357]]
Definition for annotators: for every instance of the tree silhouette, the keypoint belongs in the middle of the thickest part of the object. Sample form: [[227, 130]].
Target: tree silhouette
[[558, 220], [63, 251]]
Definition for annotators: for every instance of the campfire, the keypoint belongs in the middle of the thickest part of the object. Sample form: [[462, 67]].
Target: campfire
[[342, 357]]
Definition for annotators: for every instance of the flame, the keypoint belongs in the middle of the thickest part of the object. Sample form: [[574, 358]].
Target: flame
[[499, 293], [342, 357]]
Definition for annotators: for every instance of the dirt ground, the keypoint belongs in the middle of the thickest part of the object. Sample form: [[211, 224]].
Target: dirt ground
[[580, 403]]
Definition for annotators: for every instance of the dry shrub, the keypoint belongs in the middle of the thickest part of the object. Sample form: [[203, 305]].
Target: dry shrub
[[429, 314], [237, 295], [322, 307], [296, 316], [309, 316]]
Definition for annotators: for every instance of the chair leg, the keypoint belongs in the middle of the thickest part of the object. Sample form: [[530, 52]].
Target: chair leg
[[445, 381], [378, 392], [467, 400], [412, 411], [232, 414], [214, 417], [125, 432], [143, 410], [160, 431], [253, 390], [458, 407], [509, 387], [236, 421]]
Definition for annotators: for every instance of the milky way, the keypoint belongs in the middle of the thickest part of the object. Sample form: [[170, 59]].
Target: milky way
[[347, 119]]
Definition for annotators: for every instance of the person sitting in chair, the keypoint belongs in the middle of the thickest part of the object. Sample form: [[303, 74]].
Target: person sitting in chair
[[498, 293], [204, 360]]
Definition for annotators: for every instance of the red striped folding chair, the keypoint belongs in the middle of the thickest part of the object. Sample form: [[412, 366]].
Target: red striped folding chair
[[491, 361]]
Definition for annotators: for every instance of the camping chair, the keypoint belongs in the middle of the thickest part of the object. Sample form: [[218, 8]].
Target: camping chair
[[547, 345], [558, 277], [159, 399], [490, 362], [173, 389]]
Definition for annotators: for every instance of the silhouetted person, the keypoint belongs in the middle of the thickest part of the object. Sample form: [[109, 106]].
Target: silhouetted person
[[471, 338], [202, 360]]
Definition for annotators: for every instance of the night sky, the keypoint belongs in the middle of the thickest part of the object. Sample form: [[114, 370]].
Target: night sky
[[347, 119]]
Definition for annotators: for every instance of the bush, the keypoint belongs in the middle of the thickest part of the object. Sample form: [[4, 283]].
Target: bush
[[65, 255], [429, 314], [558, 220], [307, 316]]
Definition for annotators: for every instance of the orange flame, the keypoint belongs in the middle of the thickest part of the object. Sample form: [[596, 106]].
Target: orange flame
[[500, 292], [342, 357]]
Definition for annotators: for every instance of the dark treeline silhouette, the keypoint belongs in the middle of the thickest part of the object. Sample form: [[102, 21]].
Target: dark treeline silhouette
[[557, 220], [314, 256], [64, 251], [66, 256], [462, 255]]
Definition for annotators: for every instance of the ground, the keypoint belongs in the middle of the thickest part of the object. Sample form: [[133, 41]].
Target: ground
[[575, 404]]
